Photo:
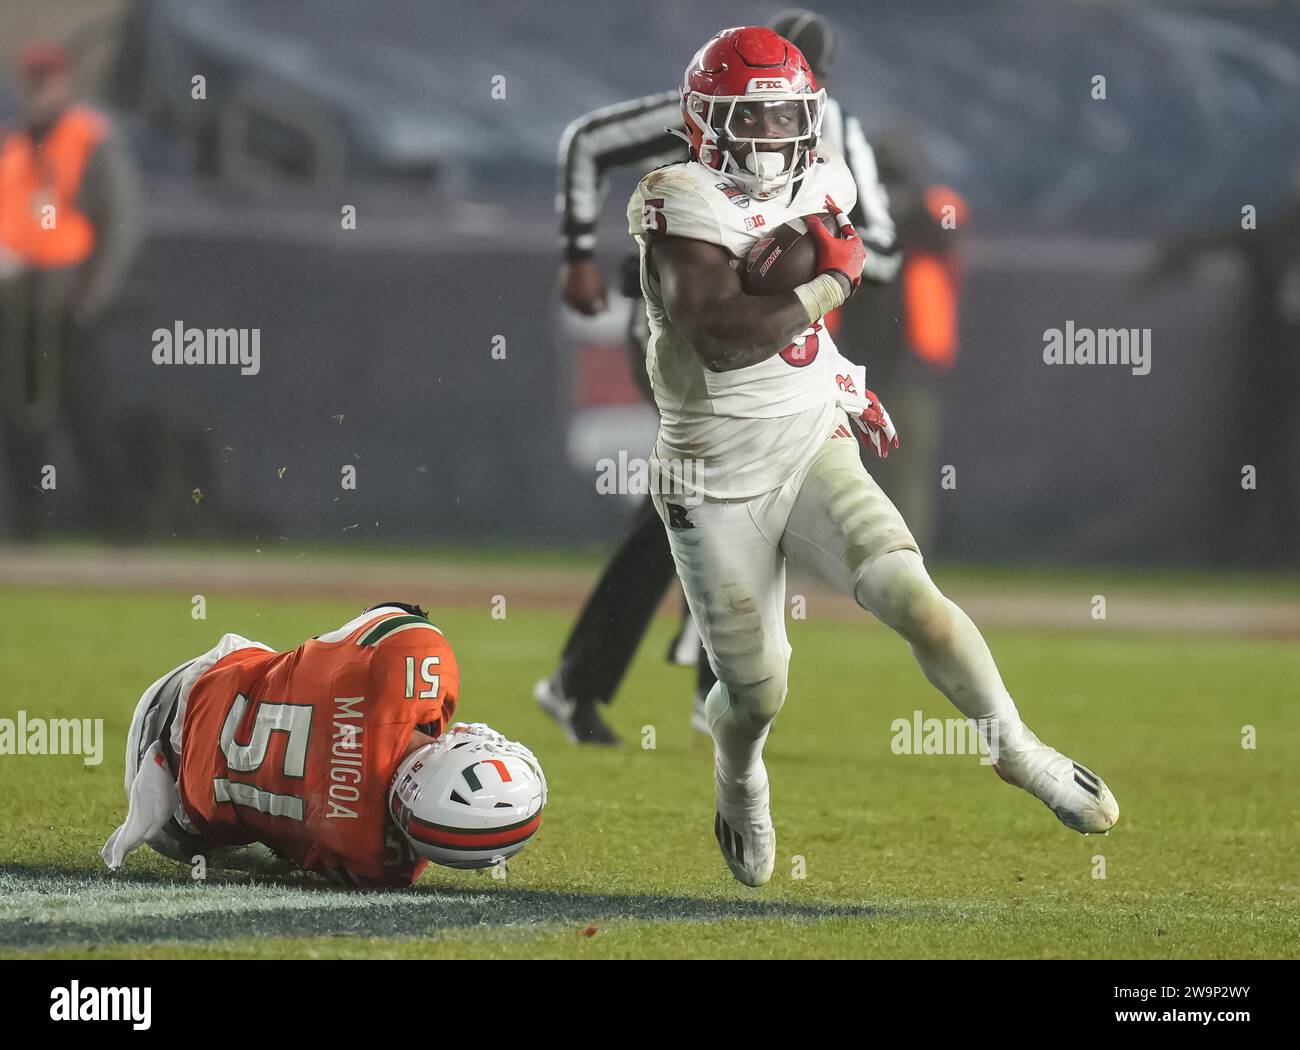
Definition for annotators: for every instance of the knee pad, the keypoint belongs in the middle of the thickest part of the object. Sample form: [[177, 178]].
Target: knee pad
[[896, 589], [759, 702]]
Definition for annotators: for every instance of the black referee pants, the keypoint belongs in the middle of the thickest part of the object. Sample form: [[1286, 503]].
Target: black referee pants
[[616, 615]]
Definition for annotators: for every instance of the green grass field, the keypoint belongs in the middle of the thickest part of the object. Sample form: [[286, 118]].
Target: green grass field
[[902, 856]]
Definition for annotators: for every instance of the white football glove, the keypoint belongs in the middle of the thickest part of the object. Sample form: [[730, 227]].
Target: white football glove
[[874, 427]]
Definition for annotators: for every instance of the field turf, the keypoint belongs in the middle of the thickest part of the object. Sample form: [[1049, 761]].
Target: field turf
[[901, 855]]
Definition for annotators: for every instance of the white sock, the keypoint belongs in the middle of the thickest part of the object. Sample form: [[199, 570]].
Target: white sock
[[738, 746]]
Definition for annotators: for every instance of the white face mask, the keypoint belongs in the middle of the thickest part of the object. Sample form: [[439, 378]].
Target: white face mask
[[761, 139]]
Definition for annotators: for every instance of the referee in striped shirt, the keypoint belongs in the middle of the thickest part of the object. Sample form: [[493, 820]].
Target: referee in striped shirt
[[635, 134]]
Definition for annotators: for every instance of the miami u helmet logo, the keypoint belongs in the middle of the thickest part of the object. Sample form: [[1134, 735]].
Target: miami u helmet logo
[[471, 778]]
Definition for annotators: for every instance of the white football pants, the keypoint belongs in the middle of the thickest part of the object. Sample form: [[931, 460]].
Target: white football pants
[[832, 522]]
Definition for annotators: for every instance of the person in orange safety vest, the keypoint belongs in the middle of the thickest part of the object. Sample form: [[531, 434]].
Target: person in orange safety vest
[[70, 233]]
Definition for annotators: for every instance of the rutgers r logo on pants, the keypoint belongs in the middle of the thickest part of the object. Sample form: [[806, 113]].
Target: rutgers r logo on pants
[[677, 518]]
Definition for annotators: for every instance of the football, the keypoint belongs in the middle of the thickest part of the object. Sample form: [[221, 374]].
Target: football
[[783, 259]]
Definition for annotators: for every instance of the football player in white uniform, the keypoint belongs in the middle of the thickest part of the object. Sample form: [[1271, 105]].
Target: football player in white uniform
[[755, 456]]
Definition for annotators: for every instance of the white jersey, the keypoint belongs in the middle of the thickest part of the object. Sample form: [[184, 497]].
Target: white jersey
[[744, 432]]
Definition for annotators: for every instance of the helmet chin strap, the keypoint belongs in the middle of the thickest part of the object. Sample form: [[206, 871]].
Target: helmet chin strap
[[767, 166], [770, 168]]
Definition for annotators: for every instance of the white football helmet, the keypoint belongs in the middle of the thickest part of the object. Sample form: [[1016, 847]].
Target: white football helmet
[[470, 799]]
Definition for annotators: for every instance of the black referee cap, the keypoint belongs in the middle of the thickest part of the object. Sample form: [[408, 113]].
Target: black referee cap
[[811, 34]]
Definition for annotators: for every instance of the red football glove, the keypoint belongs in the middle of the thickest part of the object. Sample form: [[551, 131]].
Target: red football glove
[[843, 254], [875, 428]]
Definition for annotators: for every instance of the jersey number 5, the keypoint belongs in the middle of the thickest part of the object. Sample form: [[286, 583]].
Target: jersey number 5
[[292, 719], [653, 219]]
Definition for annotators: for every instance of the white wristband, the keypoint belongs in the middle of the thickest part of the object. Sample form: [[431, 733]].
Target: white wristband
[[820, 296]]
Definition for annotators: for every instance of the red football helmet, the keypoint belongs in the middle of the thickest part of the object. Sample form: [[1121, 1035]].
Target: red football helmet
[[752, 109]]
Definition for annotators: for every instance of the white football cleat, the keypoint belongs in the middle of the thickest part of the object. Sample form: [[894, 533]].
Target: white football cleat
[[743, 828], [1079, 798]]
